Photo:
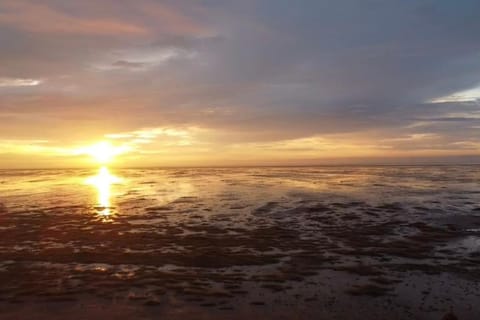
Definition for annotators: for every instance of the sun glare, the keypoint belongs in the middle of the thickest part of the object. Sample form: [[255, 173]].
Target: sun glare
[[104, 152]]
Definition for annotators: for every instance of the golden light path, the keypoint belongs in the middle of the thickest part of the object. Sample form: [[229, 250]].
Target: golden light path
[[103, 152], [103, 182]]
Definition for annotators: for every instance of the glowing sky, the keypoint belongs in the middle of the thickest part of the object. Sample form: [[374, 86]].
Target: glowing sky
[[223, 82]]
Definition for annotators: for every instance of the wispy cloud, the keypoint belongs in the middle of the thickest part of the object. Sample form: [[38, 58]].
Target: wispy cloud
[[143, 58], [19, 82], [469, 145], [29, 146], [315, 146], [166, 136], [461, 96], [413, 137]]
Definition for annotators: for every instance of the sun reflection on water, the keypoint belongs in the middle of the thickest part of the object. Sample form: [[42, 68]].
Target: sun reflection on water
[[103, 182]]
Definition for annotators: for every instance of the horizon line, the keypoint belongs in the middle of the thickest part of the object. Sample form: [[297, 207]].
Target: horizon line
[[256, 166]]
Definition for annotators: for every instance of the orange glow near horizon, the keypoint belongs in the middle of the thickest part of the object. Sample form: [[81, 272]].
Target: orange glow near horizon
[[177, 147]]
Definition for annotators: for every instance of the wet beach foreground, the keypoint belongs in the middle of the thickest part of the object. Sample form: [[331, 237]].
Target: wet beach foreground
[[235, 243]]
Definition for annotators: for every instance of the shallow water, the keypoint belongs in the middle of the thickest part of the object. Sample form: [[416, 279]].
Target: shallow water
[[391, 242]]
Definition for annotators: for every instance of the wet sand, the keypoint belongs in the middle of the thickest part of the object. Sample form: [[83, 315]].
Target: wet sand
[[271, 243]]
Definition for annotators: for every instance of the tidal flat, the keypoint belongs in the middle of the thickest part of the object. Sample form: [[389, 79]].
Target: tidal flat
[[376, 242]]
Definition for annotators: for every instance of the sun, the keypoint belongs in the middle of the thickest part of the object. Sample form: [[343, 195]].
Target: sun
[[104, 152]]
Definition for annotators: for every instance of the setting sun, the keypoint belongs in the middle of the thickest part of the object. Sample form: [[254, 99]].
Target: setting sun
[[103, 152]]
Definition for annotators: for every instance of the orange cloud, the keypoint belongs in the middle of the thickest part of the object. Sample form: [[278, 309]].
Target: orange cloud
[[33, 17]]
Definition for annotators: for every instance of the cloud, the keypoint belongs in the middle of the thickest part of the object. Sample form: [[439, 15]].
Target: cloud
[[17, 82], [469, 145], [470, 95], [413, 137], [142, 18], [35, 18], [160, 136], [128, 64], [143, 58], [30, 147]]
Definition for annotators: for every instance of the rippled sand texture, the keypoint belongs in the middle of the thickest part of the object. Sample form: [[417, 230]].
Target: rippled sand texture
[[274, 243]]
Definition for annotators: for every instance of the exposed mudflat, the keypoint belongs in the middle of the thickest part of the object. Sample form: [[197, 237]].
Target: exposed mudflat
[[271, 243]]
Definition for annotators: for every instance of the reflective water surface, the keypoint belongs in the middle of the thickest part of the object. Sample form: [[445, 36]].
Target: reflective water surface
[[328, 239], [103, 182]]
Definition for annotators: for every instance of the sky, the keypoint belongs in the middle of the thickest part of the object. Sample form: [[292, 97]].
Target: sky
[[223, 82]]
